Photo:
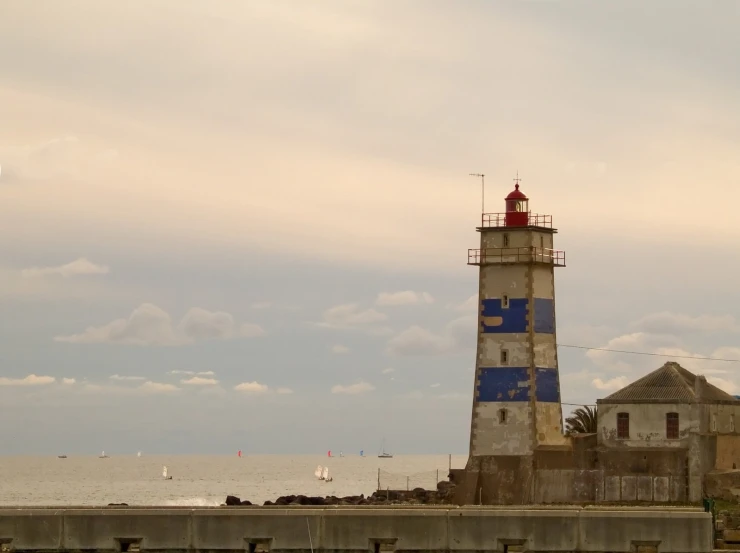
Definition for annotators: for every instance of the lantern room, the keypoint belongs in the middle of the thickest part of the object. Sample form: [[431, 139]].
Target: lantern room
[[517, 209]]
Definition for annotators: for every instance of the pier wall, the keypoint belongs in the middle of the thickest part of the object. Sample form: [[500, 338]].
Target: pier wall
[[361, 529]]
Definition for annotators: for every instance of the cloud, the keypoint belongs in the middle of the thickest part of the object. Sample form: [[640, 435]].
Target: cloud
[[178, 371], [724, 384], [68, 381], [407, 297], [458, 335], [206, 373], [126, 378], [284, 391], [65, 156], [339, 349], [353, 389], [200, 381], [200, 324], [470, 305], [149, 325], [158, 387], [435, 385], [612, 385], [667, 322], [350, 316], [252, 387], [77, 267], [30, 380], [388, 370]]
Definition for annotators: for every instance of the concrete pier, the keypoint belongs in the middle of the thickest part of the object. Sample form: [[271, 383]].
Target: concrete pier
[[365, 529]]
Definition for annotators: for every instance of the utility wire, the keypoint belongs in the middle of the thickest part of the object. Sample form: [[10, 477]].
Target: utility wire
[[652, 354]]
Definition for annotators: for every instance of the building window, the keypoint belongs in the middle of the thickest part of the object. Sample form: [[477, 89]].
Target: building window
[[623, 426], [502, 416], [506, 240], [671, 426], [504, 301], [542, 242], [504, 357], [714, 423]]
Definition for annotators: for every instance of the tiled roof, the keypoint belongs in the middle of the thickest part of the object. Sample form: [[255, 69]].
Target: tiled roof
[[671, 382]]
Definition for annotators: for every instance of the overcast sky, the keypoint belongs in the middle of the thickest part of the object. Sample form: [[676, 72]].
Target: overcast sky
[[244, 225]]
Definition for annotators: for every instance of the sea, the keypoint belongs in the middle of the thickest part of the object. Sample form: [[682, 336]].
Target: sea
[[207, 480]]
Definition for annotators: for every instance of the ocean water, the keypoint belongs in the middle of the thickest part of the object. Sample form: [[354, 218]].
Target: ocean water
[[207, 480]]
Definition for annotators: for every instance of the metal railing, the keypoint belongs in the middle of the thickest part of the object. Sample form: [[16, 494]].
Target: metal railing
[[528, 254], [499, 220]]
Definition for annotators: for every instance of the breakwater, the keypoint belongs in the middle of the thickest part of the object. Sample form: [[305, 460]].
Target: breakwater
[[363, 529]]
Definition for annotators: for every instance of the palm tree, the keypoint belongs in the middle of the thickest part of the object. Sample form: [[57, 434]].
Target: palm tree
[[582, 421]]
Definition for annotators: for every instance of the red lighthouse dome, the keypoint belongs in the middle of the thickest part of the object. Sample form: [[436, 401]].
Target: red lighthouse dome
[[517, 208]]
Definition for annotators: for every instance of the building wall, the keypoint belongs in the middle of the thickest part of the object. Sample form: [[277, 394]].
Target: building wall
[[728, 452], [647, 424], [720, 418]]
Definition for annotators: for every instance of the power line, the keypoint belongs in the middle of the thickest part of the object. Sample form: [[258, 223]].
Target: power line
[[651, 354]]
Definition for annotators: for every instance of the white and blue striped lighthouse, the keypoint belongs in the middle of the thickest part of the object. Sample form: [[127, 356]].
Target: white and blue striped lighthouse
[[516, 399]]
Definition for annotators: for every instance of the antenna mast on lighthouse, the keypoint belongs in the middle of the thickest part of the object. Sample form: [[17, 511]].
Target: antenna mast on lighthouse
[[482, 190]]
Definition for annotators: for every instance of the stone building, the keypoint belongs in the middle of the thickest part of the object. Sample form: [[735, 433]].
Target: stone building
[[672, 424]]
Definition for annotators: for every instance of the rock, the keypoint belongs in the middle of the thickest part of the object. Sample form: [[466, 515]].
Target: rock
[[245, 502], [233, 500]]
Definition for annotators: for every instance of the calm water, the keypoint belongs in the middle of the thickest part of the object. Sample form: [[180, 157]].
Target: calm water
[[206, 480]]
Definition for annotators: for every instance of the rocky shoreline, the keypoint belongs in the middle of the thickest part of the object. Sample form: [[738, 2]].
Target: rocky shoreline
[[419, 496]]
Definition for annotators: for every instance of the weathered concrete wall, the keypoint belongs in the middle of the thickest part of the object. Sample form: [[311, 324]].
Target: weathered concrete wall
[[647, 424], [728, 452], [300, 529], [568, 486], [720, 418]]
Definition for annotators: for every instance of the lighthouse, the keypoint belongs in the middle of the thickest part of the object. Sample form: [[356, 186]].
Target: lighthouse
[[516, 424]]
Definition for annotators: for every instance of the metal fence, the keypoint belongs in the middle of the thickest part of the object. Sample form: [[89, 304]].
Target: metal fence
[[398, 481]]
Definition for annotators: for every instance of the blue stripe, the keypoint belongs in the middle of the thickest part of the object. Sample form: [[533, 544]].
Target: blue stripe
[[511, 384], [547, 389], [504, 320], [503, 384], [544, 316]]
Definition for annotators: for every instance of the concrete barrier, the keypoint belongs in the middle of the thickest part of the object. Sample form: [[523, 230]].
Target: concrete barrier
[[365, 529]]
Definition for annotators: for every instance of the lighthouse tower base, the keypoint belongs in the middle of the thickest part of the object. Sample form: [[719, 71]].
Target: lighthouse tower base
[[508, 479]]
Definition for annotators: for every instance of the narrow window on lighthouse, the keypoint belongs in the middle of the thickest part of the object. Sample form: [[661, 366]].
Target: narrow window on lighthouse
[[504, 301], [502, 416], [542, 242], [504, 357], [506, 240]]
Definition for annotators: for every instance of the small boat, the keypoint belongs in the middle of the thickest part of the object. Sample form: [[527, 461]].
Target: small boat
[[328, 453], [164, 473], [362, 453], [61, 456], [138, 454], [383, 454], [102, 455], [239, 453], [319, 472], [325, 475]]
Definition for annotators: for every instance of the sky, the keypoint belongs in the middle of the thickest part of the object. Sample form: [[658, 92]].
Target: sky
[[244, 225]]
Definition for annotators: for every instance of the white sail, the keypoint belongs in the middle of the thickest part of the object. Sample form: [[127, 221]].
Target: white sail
[[138, 454], [325, 473], [317, 472], [164, 471]]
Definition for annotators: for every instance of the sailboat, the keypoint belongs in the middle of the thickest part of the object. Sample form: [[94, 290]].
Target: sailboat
[[362, 453], [164, 473], [102, 455], [328, 453], [383, 454], [319, 473], [325, 475], [138, 454], [239, 453]]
